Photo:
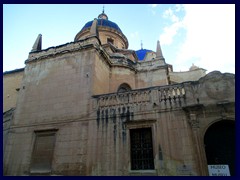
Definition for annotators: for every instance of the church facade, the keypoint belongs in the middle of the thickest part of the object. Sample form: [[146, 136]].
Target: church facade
[[94, 107]]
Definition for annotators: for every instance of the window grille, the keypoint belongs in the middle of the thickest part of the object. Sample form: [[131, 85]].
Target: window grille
[[141, 149]]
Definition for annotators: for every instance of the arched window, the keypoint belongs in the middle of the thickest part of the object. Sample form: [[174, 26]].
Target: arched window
[[124, 88], [110, 40]]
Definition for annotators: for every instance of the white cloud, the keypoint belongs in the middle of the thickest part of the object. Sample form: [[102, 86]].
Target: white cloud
[[154, 5], [210, 38], [153, 8], [178, 7], [169, 13], [170, 31]]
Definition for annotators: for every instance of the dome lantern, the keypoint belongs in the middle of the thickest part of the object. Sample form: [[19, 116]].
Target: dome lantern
[[103, 15], [108, 31]]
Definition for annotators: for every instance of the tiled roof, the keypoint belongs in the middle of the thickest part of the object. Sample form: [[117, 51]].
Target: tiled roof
[[102, 22], [141, 53]]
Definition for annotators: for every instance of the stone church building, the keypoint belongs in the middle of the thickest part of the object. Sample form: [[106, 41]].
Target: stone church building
[[95, 107]]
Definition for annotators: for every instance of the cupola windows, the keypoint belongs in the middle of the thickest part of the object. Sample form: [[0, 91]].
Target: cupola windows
[[110, 40]]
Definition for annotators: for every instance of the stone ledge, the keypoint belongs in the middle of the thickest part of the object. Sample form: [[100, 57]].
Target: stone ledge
[[143, 172]]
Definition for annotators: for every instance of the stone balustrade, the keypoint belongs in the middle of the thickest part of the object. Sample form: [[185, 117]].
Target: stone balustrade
[[171, 96]]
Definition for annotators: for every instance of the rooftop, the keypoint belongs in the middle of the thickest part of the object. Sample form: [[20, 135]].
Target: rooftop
[[142, 53]]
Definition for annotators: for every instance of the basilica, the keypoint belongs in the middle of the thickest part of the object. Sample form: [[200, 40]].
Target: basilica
[[93, 107]]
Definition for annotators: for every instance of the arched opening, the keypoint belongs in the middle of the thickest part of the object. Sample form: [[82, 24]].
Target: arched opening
[[219, 143], [124, 88]]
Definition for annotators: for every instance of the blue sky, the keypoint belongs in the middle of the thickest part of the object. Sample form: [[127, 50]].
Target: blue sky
[[199, 34]]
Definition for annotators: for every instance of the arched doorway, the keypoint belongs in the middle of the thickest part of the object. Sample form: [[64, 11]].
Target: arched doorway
[[219, 143]]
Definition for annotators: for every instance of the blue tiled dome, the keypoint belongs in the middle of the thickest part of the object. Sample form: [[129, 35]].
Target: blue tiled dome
[[142, 53], [102, 22]]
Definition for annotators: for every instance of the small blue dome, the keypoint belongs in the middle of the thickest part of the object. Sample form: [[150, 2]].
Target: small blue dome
[[142, 53], [102, 22]]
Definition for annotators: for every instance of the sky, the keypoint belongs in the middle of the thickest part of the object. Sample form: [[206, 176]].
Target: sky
[[199, 34]]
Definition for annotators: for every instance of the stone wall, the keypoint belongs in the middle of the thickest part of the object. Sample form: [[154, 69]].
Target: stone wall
[[11, 85], [120, 75], [55, 89], [193, 75], [70, 91], [120, 41], [101, 76]]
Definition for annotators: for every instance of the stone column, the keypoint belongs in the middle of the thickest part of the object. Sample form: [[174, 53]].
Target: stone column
[[194, 112]]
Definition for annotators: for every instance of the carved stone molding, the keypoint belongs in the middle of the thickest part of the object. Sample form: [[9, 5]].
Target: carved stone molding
[[218, 85], [192, 112], [194, 121]]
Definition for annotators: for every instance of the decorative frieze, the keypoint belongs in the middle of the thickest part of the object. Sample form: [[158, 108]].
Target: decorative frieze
[[192, 112]]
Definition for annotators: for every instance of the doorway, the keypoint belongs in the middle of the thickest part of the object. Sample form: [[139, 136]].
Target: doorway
[[219, 143]]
